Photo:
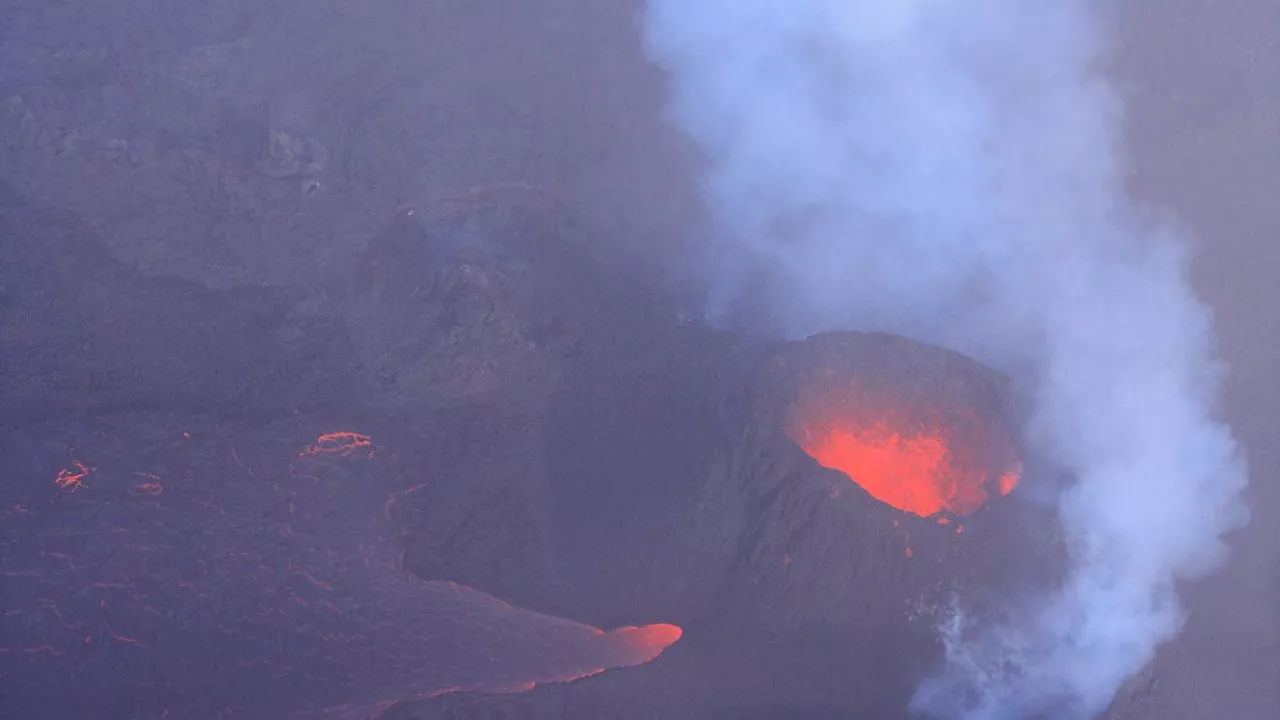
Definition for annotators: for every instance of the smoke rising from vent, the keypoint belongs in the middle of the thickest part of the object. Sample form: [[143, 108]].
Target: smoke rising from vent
[[951, 172]]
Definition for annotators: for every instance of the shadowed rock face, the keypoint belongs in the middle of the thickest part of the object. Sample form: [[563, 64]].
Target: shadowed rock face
[[85, 333]]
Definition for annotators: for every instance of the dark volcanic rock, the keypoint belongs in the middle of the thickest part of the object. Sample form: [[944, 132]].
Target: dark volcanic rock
[[85, 333], [408, 325], [438, 310]]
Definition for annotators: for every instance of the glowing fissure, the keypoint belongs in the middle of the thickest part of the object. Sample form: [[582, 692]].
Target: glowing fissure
[[340, 444]]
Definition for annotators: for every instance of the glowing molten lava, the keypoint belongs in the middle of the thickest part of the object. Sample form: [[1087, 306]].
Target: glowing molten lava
[[340, 444], [72, 479], [639, 645], [903, 452]]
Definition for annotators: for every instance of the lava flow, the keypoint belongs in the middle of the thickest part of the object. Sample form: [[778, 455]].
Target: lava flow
[[340, 444], [72, 479], [281, 595], [903, 452], [639, 645]]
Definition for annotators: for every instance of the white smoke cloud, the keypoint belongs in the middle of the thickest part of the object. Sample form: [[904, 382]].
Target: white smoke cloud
[[951, 171]]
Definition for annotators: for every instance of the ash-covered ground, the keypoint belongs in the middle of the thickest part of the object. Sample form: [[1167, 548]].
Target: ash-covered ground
[[459, 228]]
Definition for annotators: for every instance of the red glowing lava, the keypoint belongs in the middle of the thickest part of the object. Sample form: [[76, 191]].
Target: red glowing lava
[[340, 444], [903, 452], [72, 479], [622, 647], [639, 645]]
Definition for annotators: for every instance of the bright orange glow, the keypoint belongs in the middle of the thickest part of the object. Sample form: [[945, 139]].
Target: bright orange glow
[[902, 452], [72, 479], [342, 444], [147, 488], [1009, 481], [910, 473], [639, 645]]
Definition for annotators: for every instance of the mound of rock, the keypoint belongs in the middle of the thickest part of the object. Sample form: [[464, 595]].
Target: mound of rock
[[800, 593]]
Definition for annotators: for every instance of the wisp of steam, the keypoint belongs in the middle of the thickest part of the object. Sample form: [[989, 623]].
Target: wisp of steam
[[950, 171]]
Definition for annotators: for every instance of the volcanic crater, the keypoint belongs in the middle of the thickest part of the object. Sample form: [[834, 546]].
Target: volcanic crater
[[801, 594]]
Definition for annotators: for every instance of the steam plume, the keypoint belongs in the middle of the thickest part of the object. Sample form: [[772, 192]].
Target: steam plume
[[949, 171]]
